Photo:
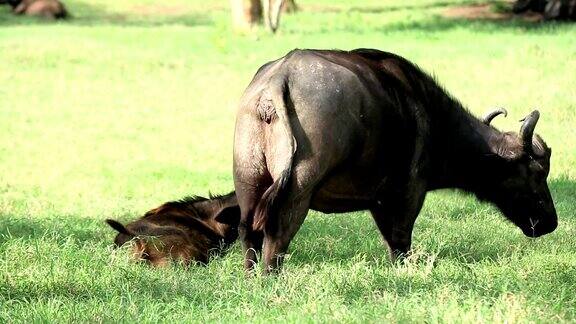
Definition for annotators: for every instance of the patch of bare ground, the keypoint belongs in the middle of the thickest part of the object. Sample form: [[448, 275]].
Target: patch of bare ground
[[486, 11]]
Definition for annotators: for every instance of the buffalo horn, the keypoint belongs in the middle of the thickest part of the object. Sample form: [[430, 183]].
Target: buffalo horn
[[488, 118], [527, 130]]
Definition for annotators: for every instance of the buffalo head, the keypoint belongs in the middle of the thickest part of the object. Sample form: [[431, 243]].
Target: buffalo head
[[518, 185]]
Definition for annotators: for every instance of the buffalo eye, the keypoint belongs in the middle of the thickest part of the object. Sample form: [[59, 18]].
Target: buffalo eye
[[540, 176], [538, 171]]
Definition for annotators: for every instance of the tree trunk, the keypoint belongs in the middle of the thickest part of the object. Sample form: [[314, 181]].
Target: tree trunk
[[272, 10], [245, 13]]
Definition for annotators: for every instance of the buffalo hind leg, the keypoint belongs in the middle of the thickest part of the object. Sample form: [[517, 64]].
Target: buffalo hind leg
[[395, 217], [248, 197], [279, 232]]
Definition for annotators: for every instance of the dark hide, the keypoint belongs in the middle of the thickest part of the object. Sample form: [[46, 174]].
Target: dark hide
[[188, 230], [521, 6], [339, 131], [551, 9]]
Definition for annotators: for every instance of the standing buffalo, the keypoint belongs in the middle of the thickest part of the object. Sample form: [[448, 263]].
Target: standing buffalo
[[551, 9], [188, 230], [342, 131]]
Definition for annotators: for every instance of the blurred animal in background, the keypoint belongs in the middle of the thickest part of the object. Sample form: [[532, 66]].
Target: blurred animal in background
[[188, 230], [51, 9], [551, 9], [247, 14]]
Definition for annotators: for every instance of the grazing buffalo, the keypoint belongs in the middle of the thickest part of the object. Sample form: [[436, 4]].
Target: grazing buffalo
[[52, 9], [551, 9], [188, 230], [342, 131]]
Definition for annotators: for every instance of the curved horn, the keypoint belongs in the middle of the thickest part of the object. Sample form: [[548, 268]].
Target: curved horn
[[488, 118], [527, 130]]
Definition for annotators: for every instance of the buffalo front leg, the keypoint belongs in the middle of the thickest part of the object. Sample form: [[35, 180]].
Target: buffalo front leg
[[395, 217]]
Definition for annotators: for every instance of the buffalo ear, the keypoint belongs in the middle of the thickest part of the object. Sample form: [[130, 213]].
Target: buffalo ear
[[229, 215], [118, 226]]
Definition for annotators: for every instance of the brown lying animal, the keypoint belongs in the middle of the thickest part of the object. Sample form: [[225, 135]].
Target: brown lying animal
[[187, 230], [52, 9]]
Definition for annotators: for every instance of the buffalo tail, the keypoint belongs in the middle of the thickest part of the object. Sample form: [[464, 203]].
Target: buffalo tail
[[273, 196]]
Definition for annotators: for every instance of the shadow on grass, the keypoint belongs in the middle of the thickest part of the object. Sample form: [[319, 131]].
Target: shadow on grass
[[377, 9], [362, 237], [486, 17], [335, 238], [442, 24], [146, 282], [323, 238], [60, 229], [85, 14], [385, 9]]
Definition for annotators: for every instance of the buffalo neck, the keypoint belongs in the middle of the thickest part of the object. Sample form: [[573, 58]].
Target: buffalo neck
[[462, 148], [459, 149]]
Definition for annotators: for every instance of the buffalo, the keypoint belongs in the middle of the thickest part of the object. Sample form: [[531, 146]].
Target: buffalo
[[188, 230], [51, 9], [341, 131], [550, 9]]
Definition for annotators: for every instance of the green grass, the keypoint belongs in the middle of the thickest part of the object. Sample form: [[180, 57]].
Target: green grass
[[123, 108]]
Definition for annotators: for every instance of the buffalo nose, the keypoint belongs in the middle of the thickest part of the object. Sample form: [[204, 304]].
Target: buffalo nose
[[544, 228], [553, 226]]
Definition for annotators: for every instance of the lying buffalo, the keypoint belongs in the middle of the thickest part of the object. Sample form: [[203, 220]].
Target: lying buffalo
[[188, 230], [52, 9], [342, 131]]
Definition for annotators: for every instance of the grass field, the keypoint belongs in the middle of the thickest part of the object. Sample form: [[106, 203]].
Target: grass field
[[132, 103]]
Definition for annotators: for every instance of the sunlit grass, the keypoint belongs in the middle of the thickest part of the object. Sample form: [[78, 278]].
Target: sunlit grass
[[132, 104]]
